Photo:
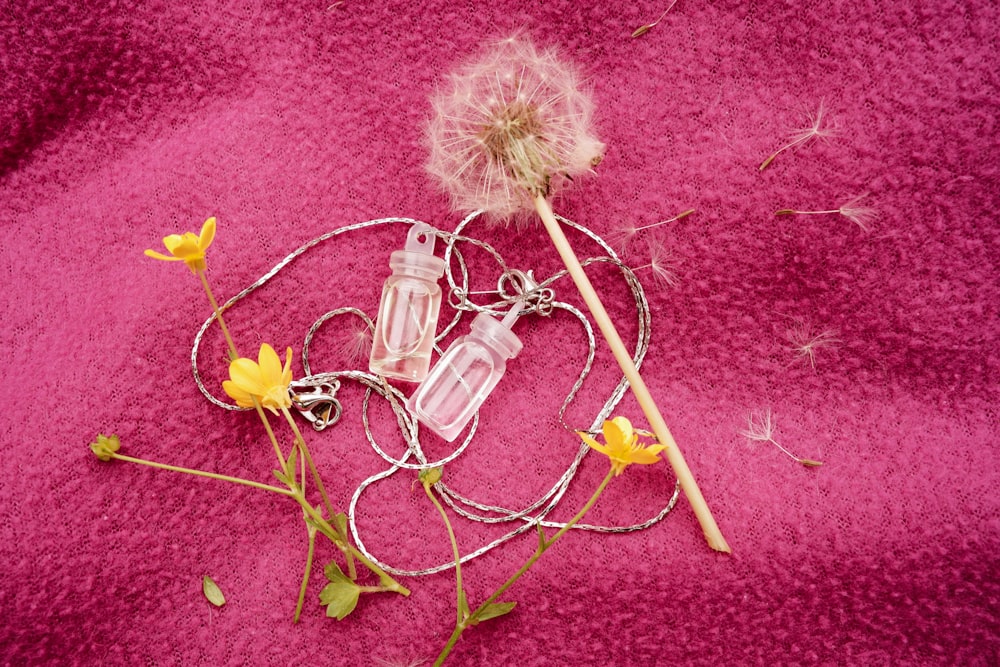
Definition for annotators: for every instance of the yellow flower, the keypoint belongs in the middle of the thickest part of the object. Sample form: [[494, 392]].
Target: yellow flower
[[264, 380], [622, 445], [188, 248], [105, 446]]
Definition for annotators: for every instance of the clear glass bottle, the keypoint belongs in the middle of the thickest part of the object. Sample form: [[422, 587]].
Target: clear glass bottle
[[409, 308], [465, 375]]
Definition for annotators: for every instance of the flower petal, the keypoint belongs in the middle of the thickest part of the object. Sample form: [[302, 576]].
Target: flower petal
[[270, 365], [207, 234], [242, 398], [246, 375], [593, 443], [618, 432], [286, 372], [645, 456], [165, 258]]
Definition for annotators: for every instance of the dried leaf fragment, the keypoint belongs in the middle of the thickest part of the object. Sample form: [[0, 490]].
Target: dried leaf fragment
[[212, 591]]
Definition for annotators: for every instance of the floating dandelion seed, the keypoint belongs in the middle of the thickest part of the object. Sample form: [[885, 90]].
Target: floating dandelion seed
[[357, 343], [862, 216], [805, 342], [661, 265], [643, 29], [760, 428], [511, 130], [623, 237], [802, 136]]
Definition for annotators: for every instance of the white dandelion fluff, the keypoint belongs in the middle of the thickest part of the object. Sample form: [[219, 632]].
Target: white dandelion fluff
[[511, 125]]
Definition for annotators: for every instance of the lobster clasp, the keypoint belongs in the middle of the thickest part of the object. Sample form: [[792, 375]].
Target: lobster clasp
[[316, 402]]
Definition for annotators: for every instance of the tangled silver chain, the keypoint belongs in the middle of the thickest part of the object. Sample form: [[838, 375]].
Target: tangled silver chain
[[314, 395]]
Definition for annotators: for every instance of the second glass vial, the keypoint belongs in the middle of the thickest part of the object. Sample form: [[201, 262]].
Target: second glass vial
[[465, 375]]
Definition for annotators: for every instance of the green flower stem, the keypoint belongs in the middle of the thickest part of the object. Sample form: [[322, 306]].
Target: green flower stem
[[543, 546], [202, 473], [319, 482], [305, 575], [459, 591], [233, 354], [334, 535], [308, 457], [352, 571], [270, 431]]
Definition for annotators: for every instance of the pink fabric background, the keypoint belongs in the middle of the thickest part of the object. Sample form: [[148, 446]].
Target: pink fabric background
[[123, 122]]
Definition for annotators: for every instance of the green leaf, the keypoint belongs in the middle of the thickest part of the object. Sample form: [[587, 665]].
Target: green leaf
[[212, 591], [493, 610], [542, 543], [335, 574], [290, 470], [340, 523], [340, 598], [281, 476]]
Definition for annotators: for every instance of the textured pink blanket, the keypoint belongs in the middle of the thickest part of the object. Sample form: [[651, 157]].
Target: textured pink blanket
[[869, 333]]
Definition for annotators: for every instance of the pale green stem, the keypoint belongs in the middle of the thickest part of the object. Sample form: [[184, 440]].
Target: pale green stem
[[305, 575], [202, 473], [308, 458], [270, 432], [543, 545], [334, 536], [324, 527], [233, 354], [454, 548], [352, 572]]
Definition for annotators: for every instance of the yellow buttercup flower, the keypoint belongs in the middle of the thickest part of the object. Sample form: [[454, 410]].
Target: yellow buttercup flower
[[264, 380], [622, 445], [187, 247]]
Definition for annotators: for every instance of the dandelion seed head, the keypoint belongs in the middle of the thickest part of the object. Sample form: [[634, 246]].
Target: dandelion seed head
[[512, 125]]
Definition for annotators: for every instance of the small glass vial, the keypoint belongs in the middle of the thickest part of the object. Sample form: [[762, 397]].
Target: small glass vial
[[408, 311], [465, 375]]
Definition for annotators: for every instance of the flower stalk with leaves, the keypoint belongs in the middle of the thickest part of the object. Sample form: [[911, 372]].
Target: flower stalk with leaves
[[621, 446], [260, 384]]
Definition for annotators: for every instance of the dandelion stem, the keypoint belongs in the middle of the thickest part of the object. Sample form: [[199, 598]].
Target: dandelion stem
[[202, 473], [543, 546], [639, 389]]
